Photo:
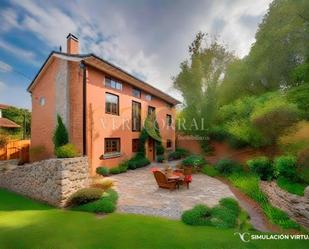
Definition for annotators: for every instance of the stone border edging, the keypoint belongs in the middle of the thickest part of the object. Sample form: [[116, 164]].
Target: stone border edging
[[297, 207]]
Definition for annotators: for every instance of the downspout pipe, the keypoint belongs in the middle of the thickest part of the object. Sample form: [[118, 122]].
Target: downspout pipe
[[83, 67]]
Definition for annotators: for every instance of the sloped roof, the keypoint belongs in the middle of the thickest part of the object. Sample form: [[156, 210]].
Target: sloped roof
[[101, 64], [2, 106], [6, 123]]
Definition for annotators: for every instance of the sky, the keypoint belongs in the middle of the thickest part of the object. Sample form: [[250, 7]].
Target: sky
[[148, 38]]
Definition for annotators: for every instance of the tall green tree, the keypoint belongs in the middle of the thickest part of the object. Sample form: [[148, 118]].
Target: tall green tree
[[199, 78], [280, 48], [61, 135]]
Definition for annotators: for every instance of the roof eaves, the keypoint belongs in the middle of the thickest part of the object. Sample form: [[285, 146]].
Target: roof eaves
[[124, 71]]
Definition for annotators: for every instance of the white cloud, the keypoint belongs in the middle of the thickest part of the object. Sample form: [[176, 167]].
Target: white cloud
[[8, 19], [149, 38], [19, 52], [5, 68]]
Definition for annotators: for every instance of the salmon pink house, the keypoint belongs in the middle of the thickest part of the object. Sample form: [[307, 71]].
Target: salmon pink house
[[102, 106]]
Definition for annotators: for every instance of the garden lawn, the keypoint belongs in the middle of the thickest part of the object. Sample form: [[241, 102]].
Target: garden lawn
[[28, 224]]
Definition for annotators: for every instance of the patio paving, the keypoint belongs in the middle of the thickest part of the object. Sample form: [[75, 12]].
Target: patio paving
[[139, 193]]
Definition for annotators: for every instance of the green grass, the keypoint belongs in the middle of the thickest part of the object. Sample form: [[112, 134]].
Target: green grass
[[249, 184], [291, 187], [27, 224]]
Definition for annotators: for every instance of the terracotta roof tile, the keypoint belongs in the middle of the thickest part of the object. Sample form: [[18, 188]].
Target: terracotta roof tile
[[6, 123], [2, 106]]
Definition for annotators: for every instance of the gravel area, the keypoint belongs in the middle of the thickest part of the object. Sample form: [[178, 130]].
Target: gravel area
[[139, 193]]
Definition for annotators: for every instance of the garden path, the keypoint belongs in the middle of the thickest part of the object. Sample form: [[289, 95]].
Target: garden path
[[139, 193]]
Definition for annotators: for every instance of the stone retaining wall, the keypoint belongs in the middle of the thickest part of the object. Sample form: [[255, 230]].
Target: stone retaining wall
[[297, 207], [51, 181]]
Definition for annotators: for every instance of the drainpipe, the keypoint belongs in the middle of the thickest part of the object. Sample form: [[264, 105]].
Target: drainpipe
[[83, 67]]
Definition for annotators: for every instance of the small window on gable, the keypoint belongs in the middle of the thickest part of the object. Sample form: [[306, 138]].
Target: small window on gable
[[136, 93], [169, 120], [113, 83], [42, 101], [148, 97]]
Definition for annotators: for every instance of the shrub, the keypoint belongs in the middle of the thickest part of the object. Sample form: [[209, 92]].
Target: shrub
[[261, 166], [123, 166], [174, 156], [296, 139], [106, 204], [303, 158], [194, 161], [137, 162], [114, 171], [291, 187], [230, 204], [300, 95], [182, 152], [197, 216], [242, 133], [160, 158], [218, 134], [249, 184], [228, 166], [66, 151], [61, 136], [272, 122], [178, 154], [159, 149], [105, 183], [102, 171], [285, 166], [209, 170], [4, 139], [223, 215], [85, 195]]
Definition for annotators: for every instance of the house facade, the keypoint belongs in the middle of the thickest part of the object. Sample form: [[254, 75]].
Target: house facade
[[102, 106]]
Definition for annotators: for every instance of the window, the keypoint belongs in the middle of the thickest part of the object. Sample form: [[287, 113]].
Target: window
[[151, 110], [168, 143], [170, 106], [112, 145], [112, 83], [148, 97], [136, 93], [169, 120], [136, 116], [135, 143], [111, 104], [42, 101]]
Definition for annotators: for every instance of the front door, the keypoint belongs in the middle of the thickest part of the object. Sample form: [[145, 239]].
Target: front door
[[151, 150]]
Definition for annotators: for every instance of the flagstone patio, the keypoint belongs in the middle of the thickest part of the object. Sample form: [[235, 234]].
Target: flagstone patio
[[139, 193]]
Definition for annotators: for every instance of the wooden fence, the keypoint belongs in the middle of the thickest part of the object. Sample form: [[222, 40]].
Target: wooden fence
[[17, 149]]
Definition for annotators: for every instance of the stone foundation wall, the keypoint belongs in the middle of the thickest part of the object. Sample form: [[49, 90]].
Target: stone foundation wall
[[297, 207], [51, 181]]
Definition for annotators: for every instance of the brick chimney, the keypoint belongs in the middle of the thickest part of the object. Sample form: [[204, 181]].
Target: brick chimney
[[72, 44]]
